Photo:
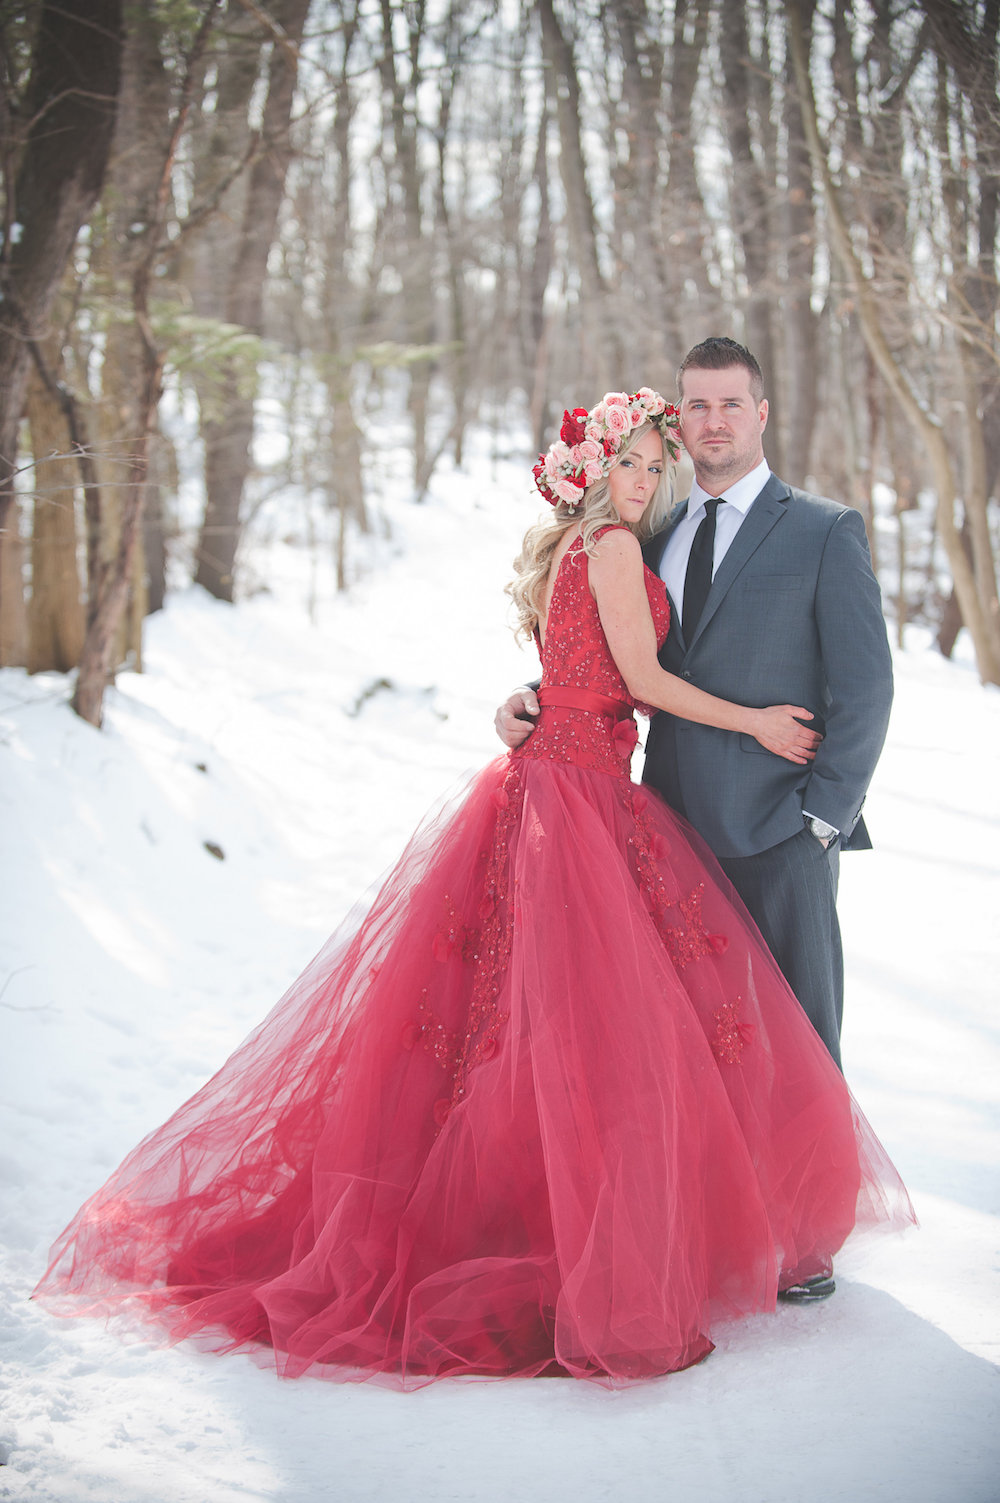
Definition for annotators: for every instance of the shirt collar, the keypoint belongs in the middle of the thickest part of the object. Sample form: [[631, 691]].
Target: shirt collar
[[742, 495]]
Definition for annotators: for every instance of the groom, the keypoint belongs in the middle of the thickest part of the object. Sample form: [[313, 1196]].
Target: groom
[[773, 601], [793, 614]]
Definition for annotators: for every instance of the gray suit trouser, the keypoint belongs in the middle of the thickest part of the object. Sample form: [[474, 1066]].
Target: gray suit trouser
[[791, 892]]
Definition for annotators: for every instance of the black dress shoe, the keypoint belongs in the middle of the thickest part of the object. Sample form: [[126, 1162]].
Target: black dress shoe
[[819, 1287]]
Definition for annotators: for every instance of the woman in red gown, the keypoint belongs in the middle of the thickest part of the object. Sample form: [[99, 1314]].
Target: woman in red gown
[[549, 1107]]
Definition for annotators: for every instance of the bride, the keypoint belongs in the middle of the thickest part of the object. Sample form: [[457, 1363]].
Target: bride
[[550, 1107]]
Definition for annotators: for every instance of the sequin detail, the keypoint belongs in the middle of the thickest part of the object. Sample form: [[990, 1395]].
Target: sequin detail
[[576, 654], [488, 949], [455, 937], [731, 1036]]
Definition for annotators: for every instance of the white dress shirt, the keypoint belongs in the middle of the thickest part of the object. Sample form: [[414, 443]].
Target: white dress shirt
[[728, 521]]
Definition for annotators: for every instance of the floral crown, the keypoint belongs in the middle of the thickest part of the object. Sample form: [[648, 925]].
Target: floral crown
[[589, 442]]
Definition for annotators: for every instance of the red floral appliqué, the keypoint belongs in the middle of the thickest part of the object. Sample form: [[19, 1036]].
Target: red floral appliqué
[[679, 920], [488, 949], [455, 937], [624, 737], [731, 1036]]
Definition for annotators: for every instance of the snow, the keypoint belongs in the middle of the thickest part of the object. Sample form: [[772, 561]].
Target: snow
[[132, 960]]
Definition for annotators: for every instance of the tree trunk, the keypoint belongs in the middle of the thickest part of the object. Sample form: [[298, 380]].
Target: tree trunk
[[105, 613], [120, 245], [414, 251], [599, 357], [751, 214], [973, 290], [683, 231], [98, 648], [538, 272], [56, 620], [13, 618], [641, 195], [344, 481], [801, 331], [228, 441], [70, 105]]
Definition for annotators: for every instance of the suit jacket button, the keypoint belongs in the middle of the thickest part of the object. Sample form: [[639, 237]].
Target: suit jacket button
[[686, 673]]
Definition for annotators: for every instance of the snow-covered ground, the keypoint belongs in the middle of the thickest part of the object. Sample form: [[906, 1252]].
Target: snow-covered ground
[[132, 960]]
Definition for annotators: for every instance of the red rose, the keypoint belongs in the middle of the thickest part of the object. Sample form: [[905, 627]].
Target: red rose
[[573, 426]]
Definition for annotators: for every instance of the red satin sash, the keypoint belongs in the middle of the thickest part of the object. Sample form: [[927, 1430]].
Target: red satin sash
[[583, 699]]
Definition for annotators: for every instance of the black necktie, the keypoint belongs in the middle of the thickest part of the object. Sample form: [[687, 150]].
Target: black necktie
[[698, 580]]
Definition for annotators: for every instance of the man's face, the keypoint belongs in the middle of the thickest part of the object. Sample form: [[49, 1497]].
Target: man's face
[[722, 425]]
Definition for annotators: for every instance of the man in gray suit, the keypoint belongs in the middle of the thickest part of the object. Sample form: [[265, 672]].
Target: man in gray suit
[[773, 600], [793, 614]]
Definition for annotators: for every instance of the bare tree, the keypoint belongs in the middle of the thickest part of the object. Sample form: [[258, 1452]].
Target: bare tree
[[229, 436], [57, 141], [748, 117], [108, 583], [984, 630], [598, 356]]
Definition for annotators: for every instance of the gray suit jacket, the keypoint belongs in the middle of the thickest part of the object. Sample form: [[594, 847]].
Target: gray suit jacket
[[794, 616]]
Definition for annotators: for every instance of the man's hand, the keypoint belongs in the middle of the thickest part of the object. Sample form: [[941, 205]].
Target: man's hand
[[515, 719]]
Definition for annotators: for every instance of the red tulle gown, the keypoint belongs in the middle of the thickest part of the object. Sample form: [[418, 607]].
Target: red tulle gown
[[548, 1108]]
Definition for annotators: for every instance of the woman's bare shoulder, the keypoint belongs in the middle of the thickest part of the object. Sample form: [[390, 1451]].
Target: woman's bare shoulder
[[617, 544]]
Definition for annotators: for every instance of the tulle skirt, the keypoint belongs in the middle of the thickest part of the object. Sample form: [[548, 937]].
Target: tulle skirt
[[548, 1107]]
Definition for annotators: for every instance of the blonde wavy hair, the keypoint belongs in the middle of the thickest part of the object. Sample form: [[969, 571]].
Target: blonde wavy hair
[[532, 564]]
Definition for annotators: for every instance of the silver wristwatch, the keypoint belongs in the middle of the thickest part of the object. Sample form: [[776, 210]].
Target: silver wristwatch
[[820, 828]]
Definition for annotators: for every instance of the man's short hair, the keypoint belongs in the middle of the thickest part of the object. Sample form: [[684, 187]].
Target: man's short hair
[[719, 354]]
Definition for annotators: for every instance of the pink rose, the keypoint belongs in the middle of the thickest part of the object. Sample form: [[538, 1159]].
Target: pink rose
[[589, 449], [593, 470], [567, 491], [617, 420], [615, 399]]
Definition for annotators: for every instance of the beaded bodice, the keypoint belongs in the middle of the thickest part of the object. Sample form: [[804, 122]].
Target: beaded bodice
[[575, 655]]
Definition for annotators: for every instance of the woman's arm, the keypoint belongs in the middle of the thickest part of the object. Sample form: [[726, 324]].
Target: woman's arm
[[618, 585]]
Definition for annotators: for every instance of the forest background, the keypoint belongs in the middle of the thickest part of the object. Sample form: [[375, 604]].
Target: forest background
[[244, 240]]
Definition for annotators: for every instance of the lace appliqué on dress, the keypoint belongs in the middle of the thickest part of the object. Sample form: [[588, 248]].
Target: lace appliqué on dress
[[576, 655], [731, 1036], [488, 949], [679, 920]]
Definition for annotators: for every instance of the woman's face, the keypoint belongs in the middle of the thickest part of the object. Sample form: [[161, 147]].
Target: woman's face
[[633, 481]]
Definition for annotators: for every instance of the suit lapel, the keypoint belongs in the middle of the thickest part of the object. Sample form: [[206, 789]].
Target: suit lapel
[[765, 513]]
